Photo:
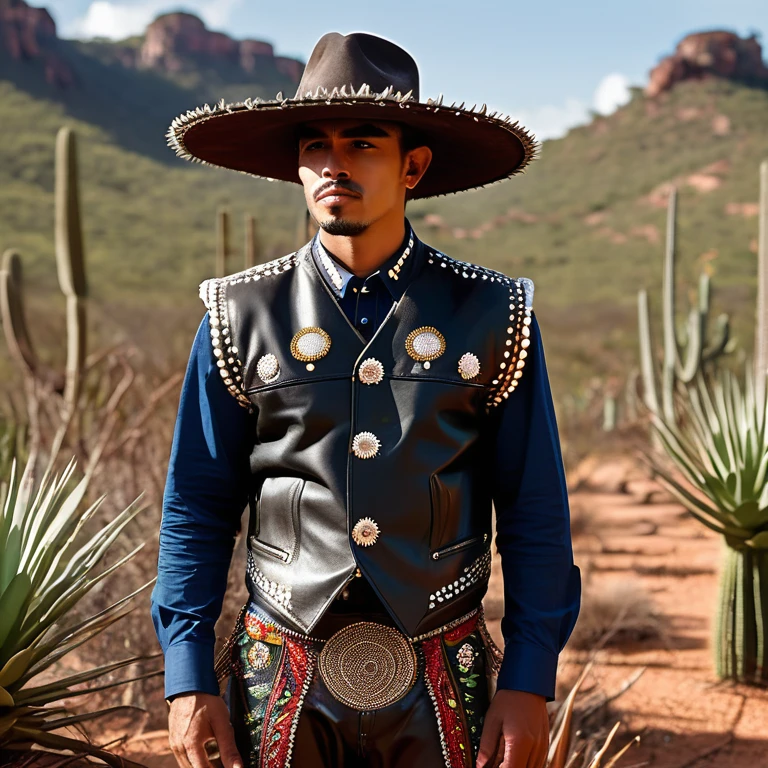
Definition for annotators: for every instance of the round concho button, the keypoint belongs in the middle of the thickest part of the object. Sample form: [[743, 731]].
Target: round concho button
[[469, 365], [310, 343], [368, 665], [365, 445], [371, 371], [365, 532], [425, 343], [268, 368]]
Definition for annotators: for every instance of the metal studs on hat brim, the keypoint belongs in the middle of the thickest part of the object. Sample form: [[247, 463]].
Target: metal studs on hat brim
[[470, 147]]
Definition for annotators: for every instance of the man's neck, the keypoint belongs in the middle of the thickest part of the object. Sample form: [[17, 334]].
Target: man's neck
[[366, 252]]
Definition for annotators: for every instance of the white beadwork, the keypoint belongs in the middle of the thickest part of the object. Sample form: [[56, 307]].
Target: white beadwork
[[518, 331], [365, 445], [426, 343], [279, 593], [371, 371], [479, 570], [469, 365], [213, 294], [311, 344], [330, 267], [268, 368]]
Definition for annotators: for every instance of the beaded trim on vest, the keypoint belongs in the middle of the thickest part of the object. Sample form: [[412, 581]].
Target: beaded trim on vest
[[518, 331], [213, 294]]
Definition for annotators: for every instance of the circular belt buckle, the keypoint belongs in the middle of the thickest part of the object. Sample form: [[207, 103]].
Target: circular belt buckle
[[368, 665]]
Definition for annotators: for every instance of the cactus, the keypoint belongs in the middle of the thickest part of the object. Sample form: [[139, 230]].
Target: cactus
[[222, 241], [741, 628], [761, 332], [252, 250], [609, 413], [715, 467], [685, 352], [70, 261]]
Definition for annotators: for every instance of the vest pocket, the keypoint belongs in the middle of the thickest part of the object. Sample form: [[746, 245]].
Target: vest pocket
[[276, 527], [453, 527], [458, 546]]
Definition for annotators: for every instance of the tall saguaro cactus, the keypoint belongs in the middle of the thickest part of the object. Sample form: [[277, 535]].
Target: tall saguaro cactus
[[222, 241], [252, 250], [687, 352], [70, 263], [761, 333]]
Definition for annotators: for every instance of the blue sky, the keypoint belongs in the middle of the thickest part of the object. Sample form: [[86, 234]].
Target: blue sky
[[545, 63]]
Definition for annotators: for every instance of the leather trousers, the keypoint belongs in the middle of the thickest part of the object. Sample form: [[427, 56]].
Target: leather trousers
[[284, 715]]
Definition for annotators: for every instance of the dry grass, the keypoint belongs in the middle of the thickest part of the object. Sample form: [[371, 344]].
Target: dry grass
[[616, 612]]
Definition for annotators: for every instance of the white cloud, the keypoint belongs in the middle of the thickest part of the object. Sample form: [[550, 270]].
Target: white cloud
[[554, 121], [117, 20], [612, 92]]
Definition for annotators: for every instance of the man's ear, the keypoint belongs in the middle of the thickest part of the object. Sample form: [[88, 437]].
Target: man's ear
[[417, 161]]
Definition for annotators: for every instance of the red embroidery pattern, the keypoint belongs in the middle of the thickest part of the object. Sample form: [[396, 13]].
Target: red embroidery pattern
[[285, 703], [457, 633], [447, 703]]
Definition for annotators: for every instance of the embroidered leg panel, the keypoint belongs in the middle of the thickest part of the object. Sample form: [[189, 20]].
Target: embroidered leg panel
[[453, 735], [466, 654], [284, 706]]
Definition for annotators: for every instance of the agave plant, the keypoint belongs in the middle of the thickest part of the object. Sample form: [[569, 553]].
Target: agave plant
[[721, 451], [566, 751], [48, 562]]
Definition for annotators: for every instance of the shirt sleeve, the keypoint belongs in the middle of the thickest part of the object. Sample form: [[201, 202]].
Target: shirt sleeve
[[205, 494], [542, 585]]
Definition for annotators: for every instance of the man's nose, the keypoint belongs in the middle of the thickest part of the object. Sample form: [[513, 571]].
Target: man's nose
[[335, 166]]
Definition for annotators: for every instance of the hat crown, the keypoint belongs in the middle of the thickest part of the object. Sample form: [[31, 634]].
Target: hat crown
[[351, 60]]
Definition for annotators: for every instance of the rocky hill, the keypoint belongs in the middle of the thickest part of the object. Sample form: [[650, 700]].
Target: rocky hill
[[710, 54], [585, 222], [173, 44]]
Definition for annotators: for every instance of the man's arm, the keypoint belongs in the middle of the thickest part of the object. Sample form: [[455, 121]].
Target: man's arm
[[205, 494], [542, 585]]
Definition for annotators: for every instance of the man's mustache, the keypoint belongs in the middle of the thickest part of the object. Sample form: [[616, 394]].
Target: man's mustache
[[349, 186]]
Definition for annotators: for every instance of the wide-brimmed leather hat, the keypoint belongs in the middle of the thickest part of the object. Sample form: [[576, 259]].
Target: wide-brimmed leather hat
[[356, 76]]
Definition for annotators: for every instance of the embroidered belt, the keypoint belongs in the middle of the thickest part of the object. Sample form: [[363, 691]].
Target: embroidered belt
[[365, 665]]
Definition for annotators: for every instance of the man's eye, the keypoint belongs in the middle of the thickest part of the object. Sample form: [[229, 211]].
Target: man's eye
[[360, 144], [313, 145]]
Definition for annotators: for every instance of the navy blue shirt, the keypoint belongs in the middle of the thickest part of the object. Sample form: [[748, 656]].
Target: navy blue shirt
[[207, 487]]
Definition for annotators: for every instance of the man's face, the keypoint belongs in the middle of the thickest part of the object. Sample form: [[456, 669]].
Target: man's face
[[353, 172]]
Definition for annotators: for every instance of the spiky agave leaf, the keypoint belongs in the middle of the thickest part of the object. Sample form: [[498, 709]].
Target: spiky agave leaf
[[46, 569], [722, 452]]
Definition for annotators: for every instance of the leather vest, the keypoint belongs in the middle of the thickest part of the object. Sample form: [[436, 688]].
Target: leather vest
[[372, 455]]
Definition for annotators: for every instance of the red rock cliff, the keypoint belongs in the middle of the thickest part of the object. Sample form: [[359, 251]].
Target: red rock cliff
[[172, 39], [709, 54], [30, 33]]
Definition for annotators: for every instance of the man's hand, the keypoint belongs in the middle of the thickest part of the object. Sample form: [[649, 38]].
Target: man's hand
[[195, 719], [515, 731]]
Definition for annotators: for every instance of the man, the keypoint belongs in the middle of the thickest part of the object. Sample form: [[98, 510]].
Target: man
[[369, 398]]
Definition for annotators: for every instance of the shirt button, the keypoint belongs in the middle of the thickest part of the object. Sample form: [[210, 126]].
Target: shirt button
[[364, 320]]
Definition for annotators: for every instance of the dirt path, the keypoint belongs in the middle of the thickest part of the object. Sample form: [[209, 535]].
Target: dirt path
[[685, 716]]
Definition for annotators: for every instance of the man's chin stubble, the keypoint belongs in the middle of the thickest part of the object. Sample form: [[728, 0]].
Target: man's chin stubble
[[344, 227]]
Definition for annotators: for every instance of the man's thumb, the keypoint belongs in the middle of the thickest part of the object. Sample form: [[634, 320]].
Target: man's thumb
[[225, 738]]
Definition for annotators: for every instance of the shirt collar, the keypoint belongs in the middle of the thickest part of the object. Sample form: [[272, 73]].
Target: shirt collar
[[396, 272]]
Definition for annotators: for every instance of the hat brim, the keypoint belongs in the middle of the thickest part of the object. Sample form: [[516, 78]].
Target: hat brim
[[470, 148]]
